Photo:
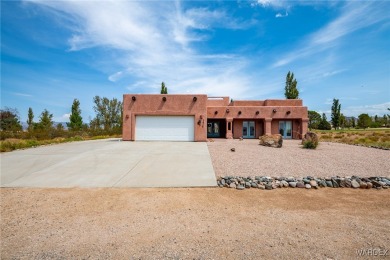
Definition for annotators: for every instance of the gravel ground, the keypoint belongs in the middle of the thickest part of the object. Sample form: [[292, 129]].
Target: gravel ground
[[329, 159], [197, 223]]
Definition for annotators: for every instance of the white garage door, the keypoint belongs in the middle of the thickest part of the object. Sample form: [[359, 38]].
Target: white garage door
[[164, 128]]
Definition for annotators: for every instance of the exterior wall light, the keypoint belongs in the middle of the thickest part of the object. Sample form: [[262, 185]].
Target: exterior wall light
[[257, 112], [133, 98], [195, 99], [216, 112], [164, 99], [288, 112], [227, 110], [239, 112], [274, 110]]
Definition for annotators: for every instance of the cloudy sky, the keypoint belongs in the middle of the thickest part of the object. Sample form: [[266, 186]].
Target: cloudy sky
[[55, 51]]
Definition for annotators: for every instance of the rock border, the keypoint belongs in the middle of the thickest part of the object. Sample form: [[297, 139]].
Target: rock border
[[309, 182]]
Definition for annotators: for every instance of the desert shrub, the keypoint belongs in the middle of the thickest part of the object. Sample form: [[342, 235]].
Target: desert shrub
[[310, 145], [374, 138], [326, 136]]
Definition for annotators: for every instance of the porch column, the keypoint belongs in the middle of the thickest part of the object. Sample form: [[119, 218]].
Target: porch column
[[305, 124], [267, 126], [229, 128]]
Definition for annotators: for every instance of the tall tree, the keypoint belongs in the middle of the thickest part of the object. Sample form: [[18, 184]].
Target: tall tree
[[314, 119], [353, 122], [343, 120], [45, 121], [336, 114], [290, 90], [30, 119], [364, 121], [108, 113], [9, 120], [324, 124], [164, 89], [76, 121]]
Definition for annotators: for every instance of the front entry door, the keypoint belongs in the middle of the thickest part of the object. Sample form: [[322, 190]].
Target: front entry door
[[213, 130], [285, 129], [248, 129]]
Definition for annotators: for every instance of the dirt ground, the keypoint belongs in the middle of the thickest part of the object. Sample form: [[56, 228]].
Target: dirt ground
[[201, 223]]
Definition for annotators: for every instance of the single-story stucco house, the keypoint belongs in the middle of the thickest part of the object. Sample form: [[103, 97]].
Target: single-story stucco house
[[197, 117]]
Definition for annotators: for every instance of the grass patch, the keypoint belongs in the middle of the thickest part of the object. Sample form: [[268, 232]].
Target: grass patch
[[12, 144], [378, 137]]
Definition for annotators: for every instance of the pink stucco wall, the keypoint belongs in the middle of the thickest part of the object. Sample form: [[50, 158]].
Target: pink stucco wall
[[174, 105], [266, 114]]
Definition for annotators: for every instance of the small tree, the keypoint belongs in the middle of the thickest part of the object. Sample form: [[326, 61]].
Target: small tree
[[324, 124], [290, 90], [45, 121], [364, 121], [164, 89], [76, 121], [335, 115], [108, 114], [30, 119], [9, 120], [314, 119]]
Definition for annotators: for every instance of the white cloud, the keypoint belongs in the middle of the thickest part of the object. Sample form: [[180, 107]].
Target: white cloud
[[280, 15], [21, 94], [155, 41], [66, 116], [353, 17], [376, 109], [116, 76]]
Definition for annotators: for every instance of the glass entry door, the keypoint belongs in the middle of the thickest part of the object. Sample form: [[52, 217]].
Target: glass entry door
[[248, 129], [285, 129], [213, 129]]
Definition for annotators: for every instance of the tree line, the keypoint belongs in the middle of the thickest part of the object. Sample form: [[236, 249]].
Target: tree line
[[340, 121], [107, 121]]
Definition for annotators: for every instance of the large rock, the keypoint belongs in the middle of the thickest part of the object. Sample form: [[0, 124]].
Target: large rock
[[310, 136], [271, 140]]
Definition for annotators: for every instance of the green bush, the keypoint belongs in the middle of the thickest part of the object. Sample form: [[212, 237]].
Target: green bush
[[310, 145]]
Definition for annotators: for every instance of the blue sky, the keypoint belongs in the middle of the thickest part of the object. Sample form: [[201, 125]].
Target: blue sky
[[55, 51]]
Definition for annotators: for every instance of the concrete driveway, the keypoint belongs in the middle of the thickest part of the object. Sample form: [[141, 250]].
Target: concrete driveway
[[109, 163]]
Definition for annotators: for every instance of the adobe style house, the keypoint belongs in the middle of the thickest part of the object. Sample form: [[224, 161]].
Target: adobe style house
[[197, 117]]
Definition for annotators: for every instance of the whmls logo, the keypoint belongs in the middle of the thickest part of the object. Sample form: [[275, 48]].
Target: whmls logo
[[372, 252]]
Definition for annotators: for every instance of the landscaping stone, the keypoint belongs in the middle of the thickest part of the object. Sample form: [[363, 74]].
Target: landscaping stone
[[293, 184], [240, 187], [355, 184], [263, 182], [363, 185], [271, 140], [311, 137]]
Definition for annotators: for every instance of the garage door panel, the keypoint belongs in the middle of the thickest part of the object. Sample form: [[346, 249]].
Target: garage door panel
[[164, 128]]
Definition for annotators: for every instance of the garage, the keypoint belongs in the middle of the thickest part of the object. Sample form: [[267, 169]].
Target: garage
[[164, 128]]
